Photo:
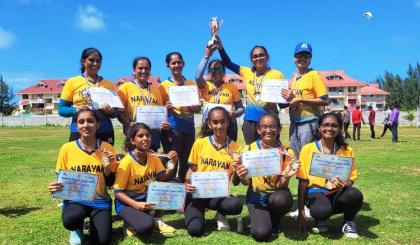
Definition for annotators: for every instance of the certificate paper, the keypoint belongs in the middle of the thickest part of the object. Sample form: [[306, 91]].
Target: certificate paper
[[271, 90], [265, 162], [210, 184], [330, 166], [152, 116], [100, 96], [78, 186], [184, 95], [167, 196], [209, 106]]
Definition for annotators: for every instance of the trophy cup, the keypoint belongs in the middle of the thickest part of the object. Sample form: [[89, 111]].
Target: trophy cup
[[214, 28], [85, 97]]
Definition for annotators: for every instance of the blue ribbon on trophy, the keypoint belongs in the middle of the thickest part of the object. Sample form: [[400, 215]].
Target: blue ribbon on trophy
[[214, 28]]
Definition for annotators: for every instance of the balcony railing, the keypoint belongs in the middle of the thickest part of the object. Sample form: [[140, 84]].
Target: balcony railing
[[336, 94]]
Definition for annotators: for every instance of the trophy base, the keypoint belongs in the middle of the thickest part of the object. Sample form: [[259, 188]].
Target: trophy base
[[213, 41]]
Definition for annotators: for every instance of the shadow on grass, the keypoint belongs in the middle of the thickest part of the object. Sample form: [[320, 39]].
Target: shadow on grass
[[17, 211], [366, 207]]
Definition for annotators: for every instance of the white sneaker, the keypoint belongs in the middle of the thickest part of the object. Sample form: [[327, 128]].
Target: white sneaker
[[319, 227], [307, 213], [222, 222], [349, 230]]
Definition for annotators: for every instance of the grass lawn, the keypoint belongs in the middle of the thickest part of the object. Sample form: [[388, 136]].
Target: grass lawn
[[388, 178]]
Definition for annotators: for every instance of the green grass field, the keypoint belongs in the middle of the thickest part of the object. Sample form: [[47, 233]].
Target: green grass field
[[388, 178]]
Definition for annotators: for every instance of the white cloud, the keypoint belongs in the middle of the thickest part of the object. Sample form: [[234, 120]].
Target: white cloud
[[401, 40], [7, 38], [90, 18], [21, 80]]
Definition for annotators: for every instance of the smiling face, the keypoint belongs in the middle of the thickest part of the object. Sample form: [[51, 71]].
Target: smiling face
[[142, 140], [329, 128], [268, 129], [218, 123], [302, 62], [176, 65], [92, 63], [259, 58], [142, 71], [86, 124], [216, 72]]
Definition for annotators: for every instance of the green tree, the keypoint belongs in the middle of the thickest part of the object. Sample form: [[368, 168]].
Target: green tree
[[410, 117], [6, 96], [410, 95]]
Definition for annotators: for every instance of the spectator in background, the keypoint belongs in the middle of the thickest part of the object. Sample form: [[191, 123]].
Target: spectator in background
[[371, 119], [346, 119], [357, 118], [387, 112], [393, 122]]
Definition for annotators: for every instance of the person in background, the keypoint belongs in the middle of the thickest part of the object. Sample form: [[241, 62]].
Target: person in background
[[306, 96], [216, 90], [387, 113], [74, 96], [393, 122], [371, 119], [346, 120], [357, 118]]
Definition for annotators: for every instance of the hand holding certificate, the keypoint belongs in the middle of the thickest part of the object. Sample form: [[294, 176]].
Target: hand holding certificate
[[265, 162], [78, 186], [330, 166], [271, 90], [100, 96], [166, 196], [152, 116], [184, 95], [210, 184]]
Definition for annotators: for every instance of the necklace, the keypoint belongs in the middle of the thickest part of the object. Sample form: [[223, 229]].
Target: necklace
[[322, 148], [88, 147], [146, 100], [258, 84]]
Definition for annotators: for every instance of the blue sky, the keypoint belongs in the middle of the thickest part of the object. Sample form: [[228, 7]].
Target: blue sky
[[43, 39]]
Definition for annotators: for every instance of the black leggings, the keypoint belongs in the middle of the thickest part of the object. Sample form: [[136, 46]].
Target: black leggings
[[141, 221], [348, 201], [195, 208], [74, 214], [266, 215]]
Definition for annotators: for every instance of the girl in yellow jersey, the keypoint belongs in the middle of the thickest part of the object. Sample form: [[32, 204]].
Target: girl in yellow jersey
[[216, 90], [135, 171], [268, 198], [140, 92], [213, 146], [326, 198], [84, 155]]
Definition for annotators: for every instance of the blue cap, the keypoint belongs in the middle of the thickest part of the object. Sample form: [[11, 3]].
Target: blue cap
[[303, 47]]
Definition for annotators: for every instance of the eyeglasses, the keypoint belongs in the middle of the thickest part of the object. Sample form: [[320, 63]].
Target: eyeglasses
[[332, 125], [265, 127], [256, 56], [214, 69], [304, 55]]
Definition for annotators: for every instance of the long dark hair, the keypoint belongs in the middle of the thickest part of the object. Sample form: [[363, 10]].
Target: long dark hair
[[169, 57], [131, 134], [339, 139], [92, 112], [275, 117], [85, 54], [207, 131]]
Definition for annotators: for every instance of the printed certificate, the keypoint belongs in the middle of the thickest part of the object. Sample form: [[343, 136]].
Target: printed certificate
[[184, 95], [78, 186], [209, 106], [330, 166], [152, 116], [100, 96], [271, 90], [167, 196], [265, 162], [210, 184]]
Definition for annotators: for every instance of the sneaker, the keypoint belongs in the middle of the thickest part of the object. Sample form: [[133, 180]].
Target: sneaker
[[128, 230], [76, 237], [163, 228], [276, 230], [222, 222], [307, 213], [319, 227], [349, 229]]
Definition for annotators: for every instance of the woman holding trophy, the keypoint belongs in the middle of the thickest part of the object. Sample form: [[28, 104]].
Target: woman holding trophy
[[325, 197], [216, 91], [268, 198], [213, 151], [75, 96]]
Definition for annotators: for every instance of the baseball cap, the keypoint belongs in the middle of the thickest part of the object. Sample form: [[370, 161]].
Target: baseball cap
[[303, 47]]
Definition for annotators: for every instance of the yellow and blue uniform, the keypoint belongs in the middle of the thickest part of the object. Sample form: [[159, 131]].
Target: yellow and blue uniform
[[261, 187], [133, 177], [318, 184], [71, 97], [73, 157], [181, 118], [131, 97], [229, 93], [206, 157], [310, 86]]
